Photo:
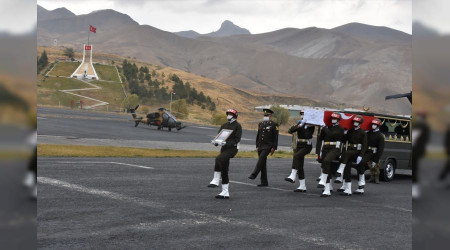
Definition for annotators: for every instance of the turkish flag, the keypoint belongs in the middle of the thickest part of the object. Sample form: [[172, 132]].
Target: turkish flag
[[347, 120], [92, 29]]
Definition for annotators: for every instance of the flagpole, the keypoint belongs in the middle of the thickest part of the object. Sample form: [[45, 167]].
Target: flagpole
[[89, 32]]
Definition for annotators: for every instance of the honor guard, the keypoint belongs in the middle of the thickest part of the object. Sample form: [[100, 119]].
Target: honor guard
[[420, 137], [266, 143], [355, 149], [328, 148], [375, 148], [446, 169], [229, 150], [304, 146]]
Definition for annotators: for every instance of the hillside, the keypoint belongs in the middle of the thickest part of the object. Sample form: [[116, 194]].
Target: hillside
[[223, 95], [331, 65]]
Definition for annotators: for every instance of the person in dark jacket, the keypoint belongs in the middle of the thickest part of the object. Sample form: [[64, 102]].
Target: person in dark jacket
[[328, 148], [446, 169], [420, 137], [375, 148], [266, 143], [229, 150], [304, 146], [356, 147]]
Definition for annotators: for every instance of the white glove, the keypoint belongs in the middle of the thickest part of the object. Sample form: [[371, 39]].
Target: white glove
[[373, 164], [223, 143], [358, 160]]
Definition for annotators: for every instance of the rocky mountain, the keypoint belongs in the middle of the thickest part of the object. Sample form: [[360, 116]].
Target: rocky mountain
[[226, 29], [351, 64], [43, 14]]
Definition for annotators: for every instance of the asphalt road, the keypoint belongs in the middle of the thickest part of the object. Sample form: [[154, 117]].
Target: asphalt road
[[431, 217], [66, 126], [17, 209], [124, 203]]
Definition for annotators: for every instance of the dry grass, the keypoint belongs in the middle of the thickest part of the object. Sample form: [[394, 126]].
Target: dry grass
[[108, 151]]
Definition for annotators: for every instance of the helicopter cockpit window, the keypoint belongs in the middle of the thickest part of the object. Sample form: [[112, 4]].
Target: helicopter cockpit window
[[396, 130]]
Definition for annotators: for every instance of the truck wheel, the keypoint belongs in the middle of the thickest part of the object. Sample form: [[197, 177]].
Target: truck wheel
[[388, 171]]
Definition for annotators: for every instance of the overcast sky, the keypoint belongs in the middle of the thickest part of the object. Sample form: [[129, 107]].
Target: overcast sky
[[256, 15]]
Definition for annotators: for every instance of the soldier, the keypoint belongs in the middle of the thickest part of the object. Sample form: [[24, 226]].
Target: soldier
[[304, 147], [266, 143], [229, 150], [420, 137], [375, 148], [328, 148], [446, 169], [356, 148]]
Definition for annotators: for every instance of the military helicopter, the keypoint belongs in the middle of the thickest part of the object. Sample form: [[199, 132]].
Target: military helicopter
[[161, 119]]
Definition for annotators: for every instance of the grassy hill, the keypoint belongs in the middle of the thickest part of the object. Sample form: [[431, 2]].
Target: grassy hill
[[223, 95]]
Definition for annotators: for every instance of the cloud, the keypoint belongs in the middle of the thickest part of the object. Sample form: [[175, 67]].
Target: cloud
[[17, 17], [256, 15]]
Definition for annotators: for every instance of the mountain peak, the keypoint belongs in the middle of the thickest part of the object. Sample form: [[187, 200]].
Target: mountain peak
[[228, 28]]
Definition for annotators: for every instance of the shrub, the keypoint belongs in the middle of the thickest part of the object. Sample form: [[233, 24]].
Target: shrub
[[219, 118], [281, 115], [180, 107]]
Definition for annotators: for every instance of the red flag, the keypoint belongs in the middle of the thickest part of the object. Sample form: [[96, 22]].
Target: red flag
[[92, 29], [87, 47]]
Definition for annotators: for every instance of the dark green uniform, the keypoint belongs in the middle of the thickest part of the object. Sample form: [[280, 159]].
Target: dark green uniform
[[229, 150], [304, 147], [420, 137], [329, 135], [356, 147], [375, 148], [446, 169], [266, 139]]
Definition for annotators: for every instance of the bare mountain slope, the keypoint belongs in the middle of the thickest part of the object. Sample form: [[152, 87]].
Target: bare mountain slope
[[316, 63]]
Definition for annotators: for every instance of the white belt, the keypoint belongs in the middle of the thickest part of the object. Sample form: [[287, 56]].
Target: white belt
[[337, 143], [357, 146], [308, 141], [374, 149]]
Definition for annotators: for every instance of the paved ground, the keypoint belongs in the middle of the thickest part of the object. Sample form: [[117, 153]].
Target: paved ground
[[82, 127], [17, 210], [431, 217], [123, 203]]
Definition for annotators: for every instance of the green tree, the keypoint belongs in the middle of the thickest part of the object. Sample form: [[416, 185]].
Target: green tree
[[69, 53], [281, 115], [219, 118], [130, 101], [42, 62], [180, 107]]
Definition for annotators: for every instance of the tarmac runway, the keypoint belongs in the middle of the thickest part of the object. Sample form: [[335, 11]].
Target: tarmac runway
[[83, 127], [145, 203]]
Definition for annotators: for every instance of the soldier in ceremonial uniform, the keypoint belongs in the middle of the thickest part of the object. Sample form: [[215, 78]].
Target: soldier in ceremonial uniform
[[266, 143], [328, 148], [375, 148], [356, 148], [420, 137], [229, 150], [304, 147]]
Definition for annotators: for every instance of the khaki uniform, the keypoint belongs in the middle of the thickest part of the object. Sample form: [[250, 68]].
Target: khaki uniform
[[266, 139]]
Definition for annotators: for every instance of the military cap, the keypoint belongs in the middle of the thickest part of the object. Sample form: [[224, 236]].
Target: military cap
[[267, 111]]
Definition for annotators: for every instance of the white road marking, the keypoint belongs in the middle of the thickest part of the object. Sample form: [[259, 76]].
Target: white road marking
[[202, 127], [41, 118], [104, 162], [347, 199], [320, 241]]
